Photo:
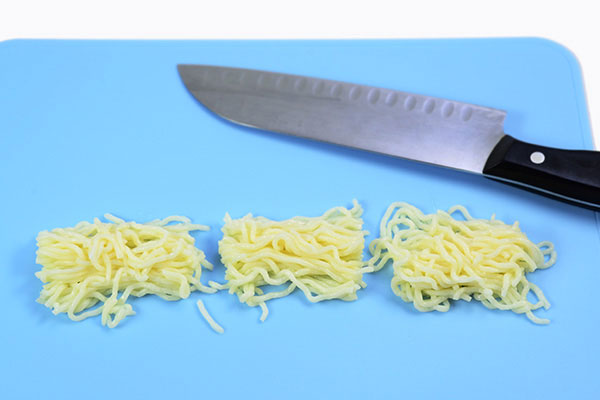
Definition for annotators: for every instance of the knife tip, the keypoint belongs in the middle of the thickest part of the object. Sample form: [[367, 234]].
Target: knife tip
[[182, 67]]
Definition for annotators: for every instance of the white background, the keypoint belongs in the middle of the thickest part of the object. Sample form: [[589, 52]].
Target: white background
[[573, 23]]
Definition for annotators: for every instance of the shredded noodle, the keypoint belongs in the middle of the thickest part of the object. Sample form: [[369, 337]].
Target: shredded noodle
[[92, 262], [322, 256], [213, 324], [437, 258]]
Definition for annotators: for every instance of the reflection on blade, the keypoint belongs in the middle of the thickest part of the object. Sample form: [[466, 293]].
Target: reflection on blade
[[421, 128]]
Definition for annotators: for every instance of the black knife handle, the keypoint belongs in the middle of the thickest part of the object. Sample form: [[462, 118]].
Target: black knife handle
[[570, 175]]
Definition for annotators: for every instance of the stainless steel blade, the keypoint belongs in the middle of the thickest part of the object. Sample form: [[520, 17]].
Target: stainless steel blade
[[421, 128]]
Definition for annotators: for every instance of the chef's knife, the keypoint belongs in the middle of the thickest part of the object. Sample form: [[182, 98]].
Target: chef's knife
[[427, 129]]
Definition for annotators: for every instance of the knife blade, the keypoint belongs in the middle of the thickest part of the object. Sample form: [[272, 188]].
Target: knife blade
[[427, 129]]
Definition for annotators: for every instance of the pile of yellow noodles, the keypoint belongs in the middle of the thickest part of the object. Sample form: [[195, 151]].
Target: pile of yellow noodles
[[92, 262], [437, 258], [322, 256]]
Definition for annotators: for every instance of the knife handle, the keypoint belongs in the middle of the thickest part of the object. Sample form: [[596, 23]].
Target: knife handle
[[569, 175]]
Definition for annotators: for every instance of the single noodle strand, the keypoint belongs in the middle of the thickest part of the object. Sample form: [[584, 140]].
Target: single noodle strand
[[214, 325]]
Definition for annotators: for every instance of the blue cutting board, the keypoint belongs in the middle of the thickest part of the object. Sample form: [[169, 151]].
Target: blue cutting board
[[89, 127]]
